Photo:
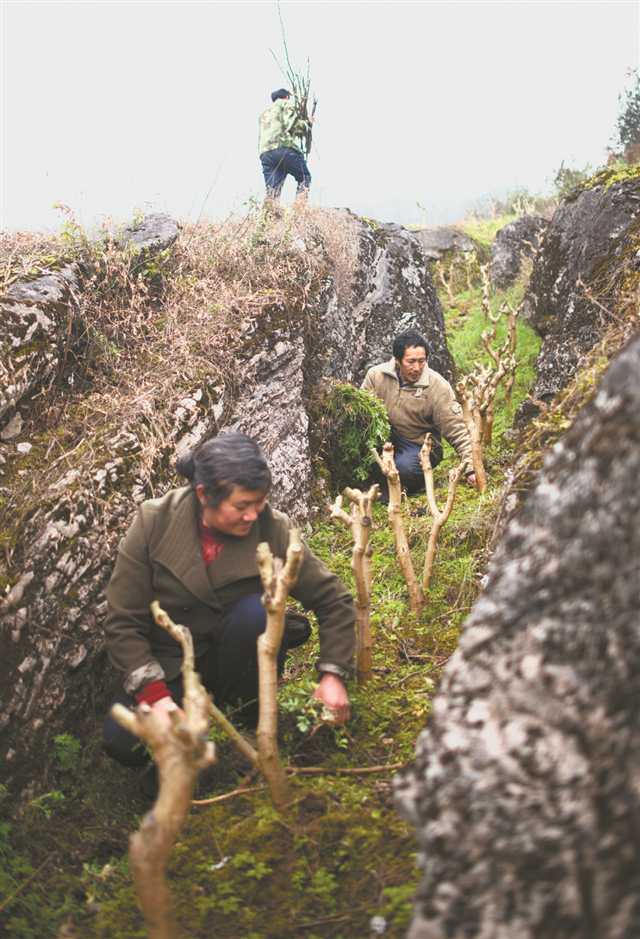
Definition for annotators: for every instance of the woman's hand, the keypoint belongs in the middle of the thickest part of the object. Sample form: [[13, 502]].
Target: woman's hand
[[163, 708], [332, 693]]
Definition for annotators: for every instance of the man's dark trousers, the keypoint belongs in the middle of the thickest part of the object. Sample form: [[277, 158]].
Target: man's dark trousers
[[280, 163], [407, 460]]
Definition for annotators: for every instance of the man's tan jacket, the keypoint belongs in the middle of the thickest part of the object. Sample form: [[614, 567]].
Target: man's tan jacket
[[427, 406], [160, 559]]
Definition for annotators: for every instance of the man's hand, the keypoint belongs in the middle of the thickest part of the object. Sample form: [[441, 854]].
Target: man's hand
[[471, 480], [332, 693]]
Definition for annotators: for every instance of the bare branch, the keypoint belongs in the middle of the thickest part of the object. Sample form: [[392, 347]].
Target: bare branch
[[445, 281], [388, 467], [277, 580], [180, 752], [486, 290], [472, 417], [439, 516], [337, 513], [469, 258], [236, 737], [360, 523]]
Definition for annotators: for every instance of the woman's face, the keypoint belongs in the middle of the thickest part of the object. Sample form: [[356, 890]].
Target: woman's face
[[234, 515]]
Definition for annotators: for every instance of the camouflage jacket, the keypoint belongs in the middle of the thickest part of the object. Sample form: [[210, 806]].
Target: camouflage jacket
[[428, 406], [282, 126]]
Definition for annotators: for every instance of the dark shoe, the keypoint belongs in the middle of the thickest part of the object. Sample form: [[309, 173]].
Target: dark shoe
[[297, 629]]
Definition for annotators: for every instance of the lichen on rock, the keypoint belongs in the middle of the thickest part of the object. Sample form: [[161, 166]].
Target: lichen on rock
[[525, 782], [592, 239]]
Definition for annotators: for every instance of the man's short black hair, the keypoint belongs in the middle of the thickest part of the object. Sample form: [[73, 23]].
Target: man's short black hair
[[280, 93], [410, 337]]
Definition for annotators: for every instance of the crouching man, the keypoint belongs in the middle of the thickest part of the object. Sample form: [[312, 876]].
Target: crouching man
[[419, 401]]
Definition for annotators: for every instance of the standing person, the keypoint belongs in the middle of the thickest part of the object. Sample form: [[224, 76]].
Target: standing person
[[194, 550], [419, 401], [282, 129]]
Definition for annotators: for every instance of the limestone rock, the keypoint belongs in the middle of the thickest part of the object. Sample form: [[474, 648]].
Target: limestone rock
[[34, 318], [397, 294], [588, 237], [272, 410], [153, 233], [13, 428], [526, 781], [438, 241], [516, 241]]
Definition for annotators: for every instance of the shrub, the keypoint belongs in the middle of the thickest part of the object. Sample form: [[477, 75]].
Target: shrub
[[347, 423], [515, 202], [567, 178]]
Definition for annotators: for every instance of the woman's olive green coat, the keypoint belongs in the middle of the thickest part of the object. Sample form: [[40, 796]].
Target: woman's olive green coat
[[160, 559]]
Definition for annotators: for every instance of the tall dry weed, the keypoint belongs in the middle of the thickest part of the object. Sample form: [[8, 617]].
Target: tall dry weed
[[155, 334], [26, 255]]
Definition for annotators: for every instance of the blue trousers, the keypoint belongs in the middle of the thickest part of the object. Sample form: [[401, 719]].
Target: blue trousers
[[229, 670], [280, 163]]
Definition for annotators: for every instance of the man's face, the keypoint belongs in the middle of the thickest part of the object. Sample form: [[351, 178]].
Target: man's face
[[412, 363]]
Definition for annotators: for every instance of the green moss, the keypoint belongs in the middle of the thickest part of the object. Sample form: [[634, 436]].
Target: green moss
[[616, 173]]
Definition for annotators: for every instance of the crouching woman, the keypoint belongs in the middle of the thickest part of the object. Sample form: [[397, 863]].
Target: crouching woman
[[194, 550]]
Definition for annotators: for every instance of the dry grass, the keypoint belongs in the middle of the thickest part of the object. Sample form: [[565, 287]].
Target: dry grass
[[157, 343], [25, 255]]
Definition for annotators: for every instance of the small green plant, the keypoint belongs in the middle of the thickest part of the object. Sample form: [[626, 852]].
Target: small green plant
[[297, 698], [323, 886], [251, 866], [67, 750], [348, 423], [398, 900], [47, 802]]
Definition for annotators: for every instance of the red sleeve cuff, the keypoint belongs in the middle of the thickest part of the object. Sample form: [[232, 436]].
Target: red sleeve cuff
[[152, 693]]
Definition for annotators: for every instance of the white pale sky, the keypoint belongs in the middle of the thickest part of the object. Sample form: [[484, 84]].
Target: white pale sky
[[118, 106]]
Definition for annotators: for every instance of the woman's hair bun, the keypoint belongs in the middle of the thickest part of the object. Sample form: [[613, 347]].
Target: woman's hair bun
[[185, 465]]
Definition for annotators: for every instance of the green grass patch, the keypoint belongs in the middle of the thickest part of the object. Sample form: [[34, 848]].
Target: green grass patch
[[466, 348], [484, 230]]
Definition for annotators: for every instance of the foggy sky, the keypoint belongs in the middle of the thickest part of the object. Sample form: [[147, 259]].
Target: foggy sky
[[113, 107]]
